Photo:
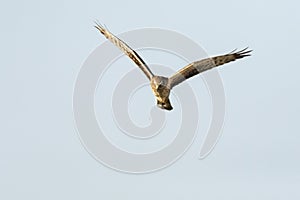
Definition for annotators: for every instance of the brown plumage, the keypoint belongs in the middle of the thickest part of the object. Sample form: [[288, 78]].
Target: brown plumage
[[161, 86], [197, 67], [126, 49]]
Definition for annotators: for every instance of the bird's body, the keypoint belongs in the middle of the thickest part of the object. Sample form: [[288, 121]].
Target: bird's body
[[161, 86], [161, 90]]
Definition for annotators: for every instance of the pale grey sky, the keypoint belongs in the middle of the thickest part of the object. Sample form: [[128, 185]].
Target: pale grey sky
[[43, 45]]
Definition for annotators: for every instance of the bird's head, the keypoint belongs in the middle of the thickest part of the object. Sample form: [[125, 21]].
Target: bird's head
[[159, 81]]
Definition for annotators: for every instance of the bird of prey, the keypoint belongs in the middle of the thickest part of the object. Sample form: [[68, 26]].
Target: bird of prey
[[160, 85]]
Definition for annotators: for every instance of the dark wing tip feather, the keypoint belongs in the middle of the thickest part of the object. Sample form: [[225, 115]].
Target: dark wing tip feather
[[242, 53]]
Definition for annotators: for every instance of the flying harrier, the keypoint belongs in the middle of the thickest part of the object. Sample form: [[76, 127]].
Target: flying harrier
[[161, 86]]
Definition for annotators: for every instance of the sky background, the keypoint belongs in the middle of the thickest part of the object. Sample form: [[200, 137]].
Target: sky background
[[43, 45]]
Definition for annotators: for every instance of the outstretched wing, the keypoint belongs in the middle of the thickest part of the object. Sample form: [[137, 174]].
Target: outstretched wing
[[200, 66], [126, 49]]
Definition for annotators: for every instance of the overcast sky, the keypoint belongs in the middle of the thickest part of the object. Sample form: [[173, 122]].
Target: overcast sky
[[43, 45]]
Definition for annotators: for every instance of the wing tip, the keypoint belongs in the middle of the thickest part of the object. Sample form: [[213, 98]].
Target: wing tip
[[100, 27], [242, 53]]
